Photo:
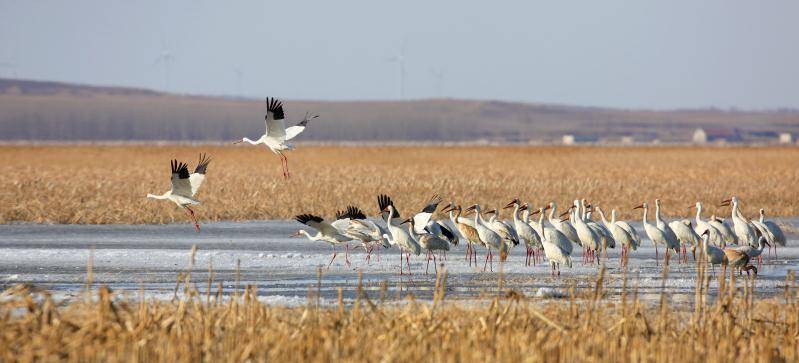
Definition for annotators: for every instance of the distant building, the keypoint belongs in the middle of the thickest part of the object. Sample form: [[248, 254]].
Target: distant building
[[570, 139], [786, 138], [627, 140], [718, 136], [700, 136]]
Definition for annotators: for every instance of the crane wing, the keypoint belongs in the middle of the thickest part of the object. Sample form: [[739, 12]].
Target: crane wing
[[295, 130], [383, 201], [422, 218], [180, 179], [317, 223], [198, 176], [275, 126]]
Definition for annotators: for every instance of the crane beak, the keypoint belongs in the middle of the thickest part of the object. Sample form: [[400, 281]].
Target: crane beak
[[548, 207], [237, 142], [564, 213], [691, 206], [725, 202], [447, 208], [510, 205], [564, 219], [295, 234], [491, 211], [639, 207], [406, 221], [470, 208], [535, 212], [524, 207]]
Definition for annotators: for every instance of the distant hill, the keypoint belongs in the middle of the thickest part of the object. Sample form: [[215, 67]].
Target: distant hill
[[34, 110]]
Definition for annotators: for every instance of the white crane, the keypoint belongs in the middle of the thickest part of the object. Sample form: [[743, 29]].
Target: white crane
[[399, 235], [509, 236], [672, 242], [524, 231], [538, 249], [727, 235], [428, 242], [490, 239], [424, 223], [588, 238], [627, 227], [549, 232], [714, 235], [686, 235], [605, 237], [277, 135], [554, 243], [352, 223], [185, 185], [776, 231], [743, 231], [325, 232], [563, 226], [619, 234], [655, 234]]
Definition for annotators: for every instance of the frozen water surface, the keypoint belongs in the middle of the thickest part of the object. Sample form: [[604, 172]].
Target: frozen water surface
[[129, 258]]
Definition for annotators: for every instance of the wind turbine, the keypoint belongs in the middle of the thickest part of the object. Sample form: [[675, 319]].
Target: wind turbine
[[239, 75], [166, 58], [438, 76], [12, 67], [399, 58]]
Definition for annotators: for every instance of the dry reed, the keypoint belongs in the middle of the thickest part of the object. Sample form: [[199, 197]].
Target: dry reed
[[108, 184], [205, 326]]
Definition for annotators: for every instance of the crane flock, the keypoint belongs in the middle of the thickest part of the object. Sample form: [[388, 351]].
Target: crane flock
[[547, 235], [552, 237]]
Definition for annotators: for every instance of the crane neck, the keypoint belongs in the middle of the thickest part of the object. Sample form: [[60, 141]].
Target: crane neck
[[602, 215], [552, 211], [698, 213], [657, 213]]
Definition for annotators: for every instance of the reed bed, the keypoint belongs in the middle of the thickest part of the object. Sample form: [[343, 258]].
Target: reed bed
[[722, 326], [108, 184]]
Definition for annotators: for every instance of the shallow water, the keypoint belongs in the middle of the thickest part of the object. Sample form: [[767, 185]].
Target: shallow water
[[134, 258]]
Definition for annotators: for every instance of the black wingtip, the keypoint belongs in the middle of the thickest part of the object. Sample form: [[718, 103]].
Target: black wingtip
[[432, 204], [355, 213], [306, 218], [202, 165], [305, 120], [275, 107]]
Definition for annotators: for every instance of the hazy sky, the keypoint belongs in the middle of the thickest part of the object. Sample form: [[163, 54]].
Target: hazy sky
[[664, 54]]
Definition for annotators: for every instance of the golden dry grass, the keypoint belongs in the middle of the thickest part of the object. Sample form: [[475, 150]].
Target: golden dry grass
[[513, 328], [108, 184]]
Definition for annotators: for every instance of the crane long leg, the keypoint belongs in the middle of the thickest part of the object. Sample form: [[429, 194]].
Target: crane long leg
[[285, 164], [428, 263], [657, 256], [193, 218], [435, 264], [408, 261], [347, 255], [332, 258]]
